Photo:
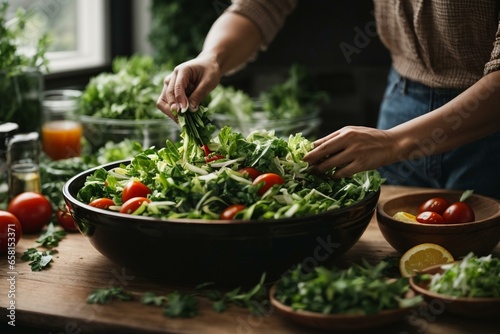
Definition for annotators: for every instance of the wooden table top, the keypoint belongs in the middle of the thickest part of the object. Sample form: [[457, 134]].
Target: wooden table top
[[55, 299]]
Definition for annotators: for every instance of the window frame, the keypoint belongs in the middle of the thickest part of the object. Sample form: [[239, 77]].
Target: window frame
[[92, 35]]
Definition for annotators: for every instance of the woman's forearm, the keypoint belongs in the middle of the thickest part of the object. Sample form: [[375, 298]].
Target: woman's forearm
[[232, 41], [470, 116]]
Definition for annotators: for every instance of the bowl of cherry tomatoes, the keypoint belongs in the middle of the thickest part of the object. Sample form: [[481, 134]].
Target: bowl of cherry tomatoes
[[459, 221]]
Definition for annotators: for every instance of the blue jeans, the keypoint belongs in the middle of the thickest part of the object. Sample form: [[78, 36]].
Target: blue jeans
[[473, 166]]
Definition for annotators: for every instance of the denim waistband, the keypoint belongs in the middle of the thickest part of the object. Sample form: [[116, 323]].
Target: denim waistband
[[411, 86]]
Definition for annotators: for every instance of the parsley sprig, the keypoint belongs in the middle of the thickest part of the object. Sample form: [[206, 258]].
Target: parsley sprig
[[175, 304], [106, 295], [39, 260], [51, 236], [48, 239], [254, 299]]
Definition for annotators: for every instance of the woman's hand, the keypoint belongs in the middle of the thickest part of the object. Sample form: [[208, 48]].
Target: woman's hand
[[188, 84], [353, 149]]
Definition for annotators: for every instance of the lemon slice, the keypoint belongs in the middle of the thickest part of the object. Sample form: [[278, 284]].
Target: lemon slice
[[405, 217], [422, 256]]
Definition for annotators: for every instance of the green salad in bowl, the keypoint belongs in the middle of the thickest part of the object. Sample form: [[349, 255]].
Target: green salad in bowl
[[228, 176]]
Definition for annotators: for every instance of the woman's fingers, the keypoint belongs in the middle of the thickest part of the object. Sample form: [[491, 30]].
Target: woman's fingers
[[351, 150]]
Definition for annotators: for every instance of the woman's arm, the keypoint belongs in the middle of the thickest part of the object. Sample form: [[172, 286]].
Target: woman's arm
[[470, 116], [231, 41]]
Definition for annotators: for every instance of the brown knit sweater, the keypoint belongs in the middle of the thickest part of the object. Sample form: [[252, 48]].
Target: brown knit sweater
[[441, 43]]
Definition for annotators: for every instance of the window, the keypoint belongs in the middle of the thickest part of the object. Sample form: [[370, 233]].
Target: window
[[78, 31]]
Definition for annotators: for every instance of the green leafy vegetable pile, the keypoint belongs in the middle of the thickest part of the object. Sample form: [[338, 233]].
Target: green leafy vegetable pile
[[184, 185], [361, 289], [130, 92], [472, 277], [289, 99]]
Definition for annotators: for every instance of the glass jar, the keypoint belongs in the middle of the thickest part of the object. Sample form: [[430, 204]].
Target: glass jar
[[61, 130], [22, 158]]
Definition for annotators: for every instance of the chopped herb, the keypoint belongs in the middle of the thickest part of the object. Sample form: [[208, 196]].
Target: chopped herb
[[51, 236], [106, 295], [472, 277], [254, 299], [360, 289], [39, 260], [181, 305], [149, 298]]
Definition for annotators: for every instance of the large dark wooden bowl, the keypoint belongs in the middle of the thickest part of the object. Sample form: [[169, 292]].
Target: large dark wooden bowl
[[228, 253], [480, 236]]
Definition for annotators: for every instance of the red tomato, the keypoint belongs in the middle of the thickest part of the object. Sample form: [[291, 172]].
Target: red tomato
[[135, 205], [269, 180], [102, 203], [32, 209], [459, 212], [10, 232], [135, 189], [231, 211], [66, 221], [250, 171], [436, 204], [429, 217]]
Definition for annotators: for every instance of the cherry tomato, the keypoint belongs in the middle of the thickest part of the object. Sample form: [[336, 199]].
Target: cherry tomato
[[66, 221], [231, 211], [436, 204], [10, 232], [32, 209], [133, 189], [459, 212], [102, 203], [430, 217], [250, 171], [269, 180], [135, 205]]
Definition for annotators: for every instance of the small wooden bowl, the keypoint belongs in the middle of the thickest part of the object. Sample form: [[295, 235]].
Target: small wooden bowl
[[339, 322], [480, 236], [481, 307]]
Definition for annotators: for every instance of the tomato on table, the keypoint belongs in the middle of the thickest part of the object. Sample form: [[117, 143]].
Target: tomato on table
[[435, 204], [33, 210], [459, 212], [269, 180], [251, 172], [430, 217], [133, 189], [102, 203], [65, 219], [135, 205], [10, 231], [231, 211]]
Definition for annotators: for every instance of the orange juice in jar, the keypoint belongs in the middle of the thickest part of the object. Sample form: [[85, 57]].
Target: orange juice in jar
[[61, 132], [62, 139]]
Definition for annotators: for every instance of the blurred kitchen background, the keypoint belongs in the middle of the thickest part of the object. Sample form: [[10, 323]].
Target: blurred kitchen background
[[335, 40]]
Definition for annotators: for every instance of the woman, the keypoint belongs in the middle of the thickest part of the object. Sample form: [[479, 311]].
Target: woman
[[437, 124]]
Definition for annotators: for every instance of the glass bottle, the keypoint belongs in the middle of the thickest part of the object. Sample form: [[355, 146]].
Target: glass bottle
[[24, 170], [7, 130]]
